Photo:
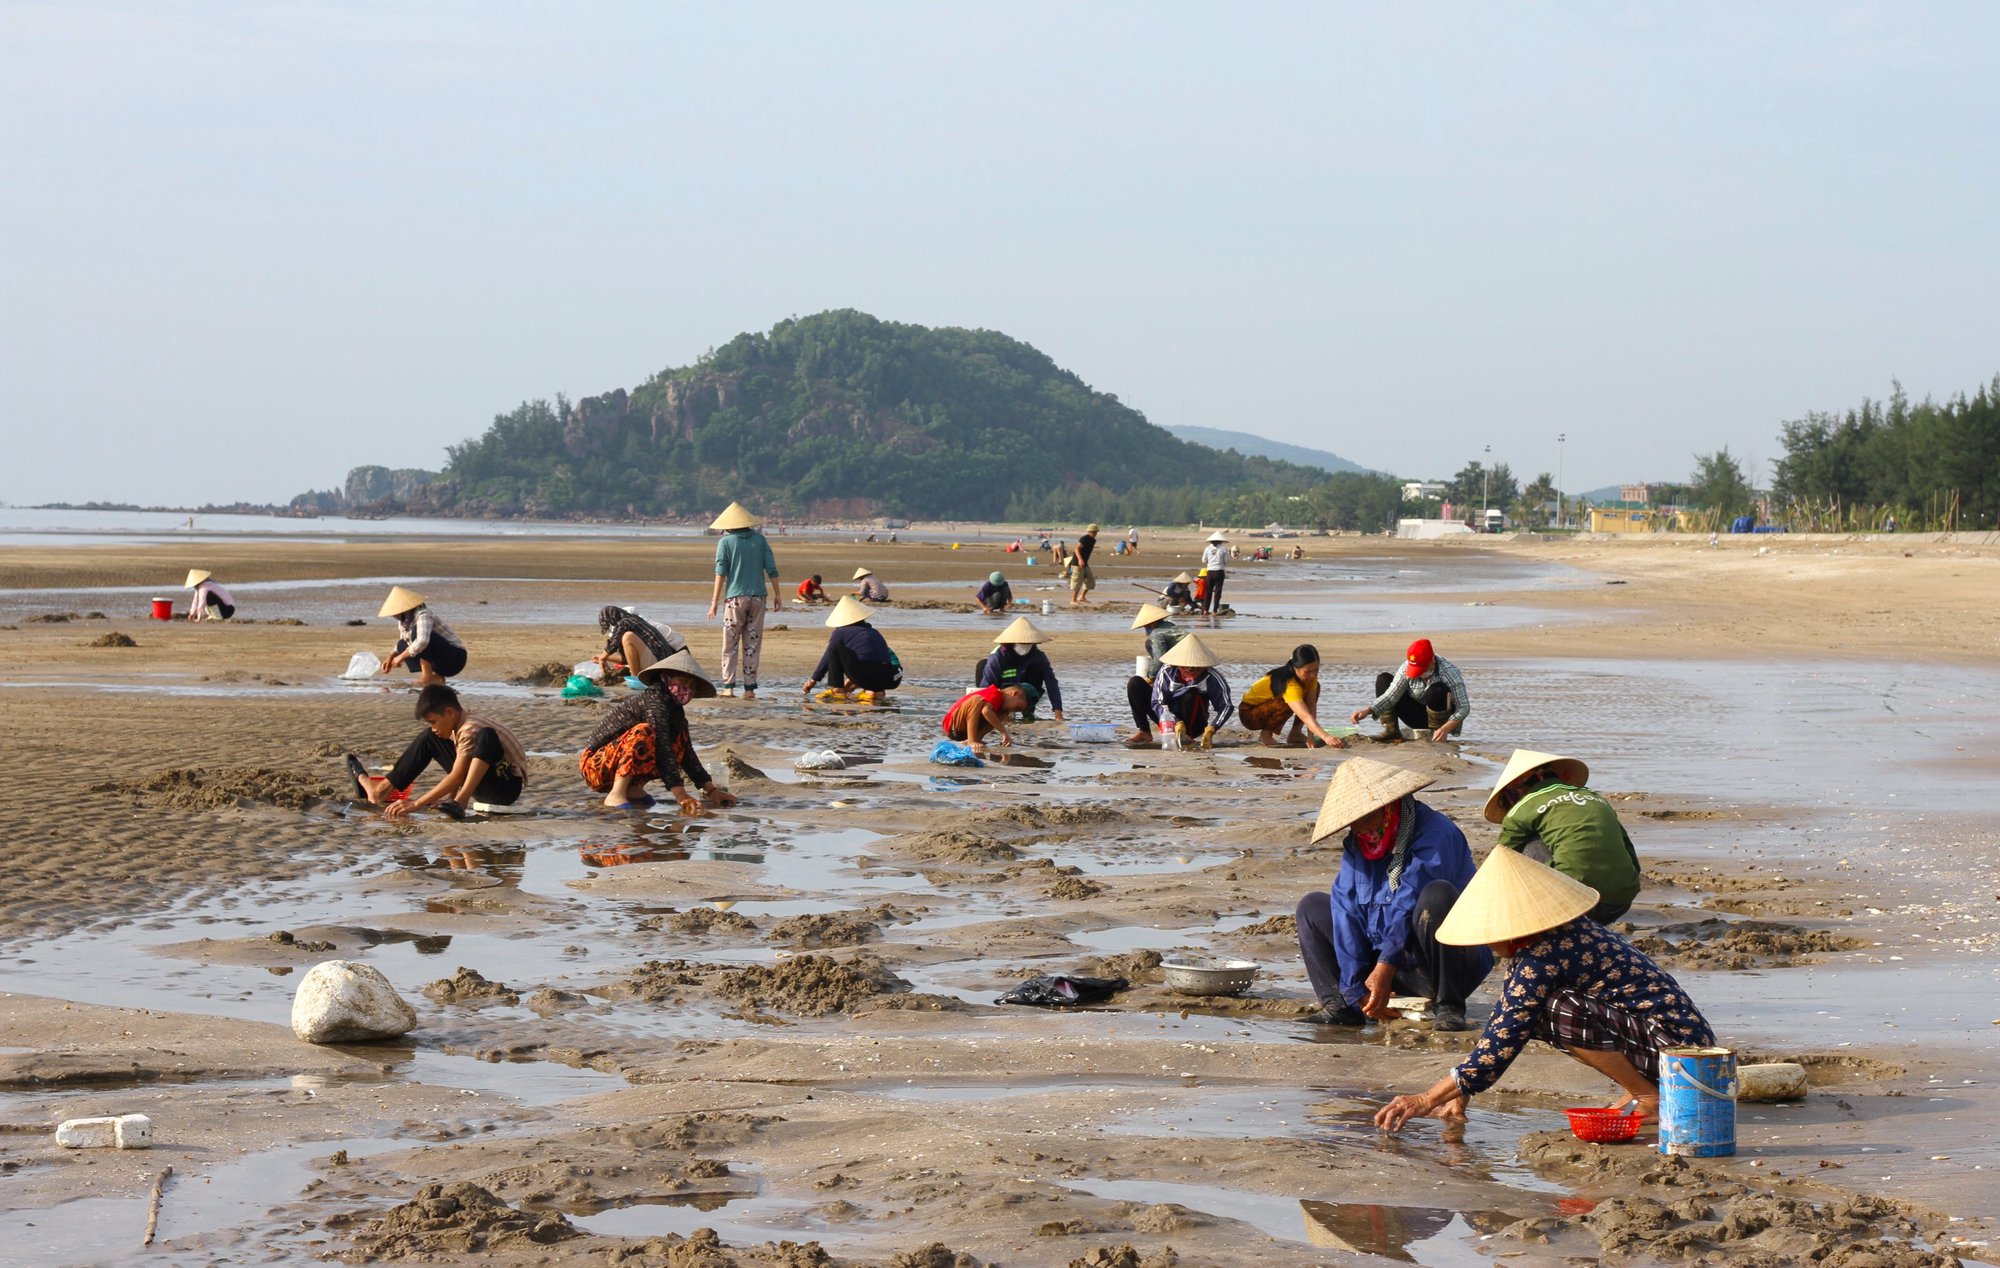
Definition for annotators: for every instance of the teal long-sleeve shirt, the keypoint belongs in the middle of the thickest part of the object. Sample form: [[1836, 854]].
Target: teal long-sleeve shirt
[[743, 558]]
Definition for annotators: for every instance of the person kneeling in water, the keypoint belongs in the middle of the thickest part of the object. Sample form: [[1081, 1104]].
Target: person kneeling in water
[[985, 709], [482, 761]]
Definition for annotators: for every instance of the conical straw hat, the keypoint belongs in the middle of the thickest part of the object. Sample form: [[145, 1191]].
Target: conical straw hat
[[1568, 769], [647, 669], [1189, 653], [1218, 536], [734, 516], [1183, 578], [1361, 786], [859, 573], [1148, 613], [1512, 896], [849, 611], [1021, 631], [195, 577], [400, 601]]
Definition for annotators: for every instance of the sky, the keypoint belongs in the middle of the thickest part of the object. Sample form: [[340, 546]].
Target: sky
[[248, 246]]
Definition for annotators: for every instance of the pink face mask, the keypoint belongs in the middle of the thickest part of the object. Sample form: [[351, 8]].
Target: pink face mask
[[680, 689]]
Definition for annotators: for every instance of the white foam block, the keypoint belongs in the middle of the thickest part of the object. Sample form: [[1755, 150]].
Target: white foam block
[[123, 1131]]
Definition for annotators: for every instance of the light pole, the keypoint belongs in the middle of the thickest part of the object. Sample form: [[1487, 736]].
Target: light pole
[[1561, 436], [1485, 470]]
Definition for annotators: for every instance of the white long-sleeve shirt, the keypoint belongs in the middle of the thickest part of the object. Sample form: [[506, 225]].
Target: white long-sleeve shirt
[[1215, 557], [204, 593]]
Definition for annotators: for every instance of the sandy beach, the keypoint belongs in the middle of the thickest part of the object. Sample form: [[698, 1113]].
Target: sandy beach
[[767, 1035]]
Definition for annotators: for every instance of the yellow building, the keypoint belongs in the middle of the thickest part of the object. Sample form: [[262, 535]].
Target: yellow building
[[1621, 519]]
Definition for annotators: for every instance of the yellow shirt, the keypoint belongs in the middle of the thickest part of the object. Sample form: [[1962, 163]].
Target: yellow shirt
[[1296, 692]]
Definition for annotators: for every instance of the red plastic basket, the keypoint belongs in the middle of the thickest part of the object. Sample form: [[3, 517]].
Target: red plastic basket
[[1604, 1126]]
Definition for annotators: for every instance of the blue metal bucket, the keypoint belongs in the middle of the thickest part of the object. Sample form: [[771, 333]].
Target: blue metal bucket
[[1698, 1102]]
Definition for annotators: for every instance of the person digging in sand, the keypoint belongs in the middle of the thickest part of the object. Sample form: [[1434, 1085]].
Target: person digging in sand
[[428, 646], [1161, 635], [1403, 866], [995, 596], [1179, 593], [645, 737], [625, 634], [1425, 693], [812, 591], [1018, 660], [857, 659], [1190, 695], [209, 602], [482, 761], [1570, 982], [1289, 693], [1544, 810], [869, 588], [984, 710]]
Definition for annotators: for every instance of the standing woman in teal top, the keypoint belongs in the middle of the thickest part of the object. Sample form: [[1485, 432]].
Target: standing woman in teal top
[[743, 564]]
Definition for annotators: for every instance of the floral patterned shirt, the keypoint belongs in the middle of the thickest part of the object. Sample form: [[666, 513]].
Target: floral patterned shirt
[[1585, 957]]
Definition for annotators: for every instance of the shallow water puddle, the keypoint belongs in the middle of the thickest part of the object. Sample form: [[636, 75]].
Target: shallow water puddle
[[738, 1218], [1407, 1234]]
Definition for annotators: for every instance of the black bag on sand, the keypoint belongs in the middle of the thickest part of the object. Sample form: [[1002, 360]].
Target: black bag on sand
[[1063, 990]]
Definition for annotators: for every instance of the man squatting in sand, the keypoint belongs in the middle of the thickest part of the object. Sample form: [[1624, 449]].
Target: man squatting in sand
[[1425, 692], [482, 761], [645, 737], [743, 561], [1403, 866], [1570, 982]]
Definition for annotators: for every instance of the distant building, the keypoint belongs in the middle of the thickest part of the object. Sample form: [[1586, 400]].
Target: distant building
[[1640, 493], [1626, 518], [1426, 529], [1422, 490]]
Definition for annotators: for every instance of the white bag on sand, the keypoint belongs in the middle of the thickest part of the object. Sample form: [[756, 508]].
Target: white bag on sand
[[588, 669], [825, 759], [363, 665]]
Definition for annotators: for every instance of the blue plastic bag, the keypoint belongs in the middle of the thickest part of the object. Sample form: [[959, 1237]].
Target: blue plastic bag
[[952, 753]]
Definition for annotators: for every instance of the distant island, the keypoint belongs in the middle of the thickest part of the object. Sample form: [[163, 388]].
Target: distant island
[[841, 415], [1252, 446]]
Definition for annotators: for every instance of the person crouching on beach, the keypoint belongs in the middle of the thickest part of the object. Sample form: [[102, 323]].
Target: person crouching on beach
[[1425, 692], [481, 759], [209, 602], [427, 646], [995, 596], [645, 737], [1289, 693], [1018, 660], [869, 588], [812, 591], [984, 710], [1544, 810], [1403, 867], [1190, 695], [857, 658], [1179, 594], [1161, 635], [626, 634], [1570, 982]]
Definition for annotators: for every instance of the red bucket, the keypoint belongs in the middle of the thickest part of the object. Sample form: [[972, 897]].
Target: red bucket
[[163, 609]]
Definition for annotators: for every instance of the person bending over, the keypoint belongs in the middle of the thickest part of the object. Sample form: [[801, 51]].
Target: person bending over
[[995, 596], [625, 634], [1190, 694], [209, 602], [1425, 692], [857, 657], [811, 591], [1019, 661], [1544, 809], [1289, 693], [427, 646], [645, 737], [482, 761], [1161, 635], [984, 711]]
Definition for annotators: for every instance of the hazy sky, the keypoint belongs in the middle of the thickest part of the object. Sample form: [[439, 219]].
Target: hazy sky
[[248, 246]]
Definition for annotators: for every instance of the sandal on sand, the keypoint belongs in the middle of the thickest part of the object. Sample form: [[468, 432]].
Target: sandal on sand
[[355, 772], [451, 809]]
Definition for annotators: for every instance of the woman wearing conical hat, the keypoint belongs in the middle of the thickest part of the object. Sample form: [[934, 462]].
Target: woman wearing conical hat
[[1161, 635], [1214, 572], [1543, 798], [1019, 661], [857, 659], [1403, 866], [427, 646], [210, 601], [1190, 695], [1179, 594], [868, 587], [1570, 982], [645, 736], [743, 564]]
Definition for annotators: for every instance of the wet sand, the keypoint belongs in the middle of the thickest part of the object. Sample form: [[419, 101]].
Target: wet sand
[[777, 1022]]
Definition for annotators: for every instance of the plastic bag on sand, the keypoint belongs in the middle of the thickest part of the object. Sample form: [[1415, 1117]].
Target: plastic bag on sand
[[363, 665], [579, 686], [825, 759], [1062, 990], [587, 669], [952, 753]]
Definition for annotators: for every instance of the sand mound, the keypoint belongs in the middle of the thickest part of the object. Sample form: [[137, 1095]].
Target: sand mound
[[701, 922], [935, 1255], [736, 767], [466, 987], [1275, 927], [1074, 889], [1743, 944], [63, 618], [826, 929], [952, 845], [657, 982], [198, 788], [455, 1219], [812, 986], [550, 673], [1134, 966], [113, 639]]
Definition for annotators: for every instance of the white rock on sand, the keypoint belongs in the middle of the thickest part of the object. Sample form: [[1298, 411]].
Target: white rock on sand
[[123, 1131], [345, 1001]]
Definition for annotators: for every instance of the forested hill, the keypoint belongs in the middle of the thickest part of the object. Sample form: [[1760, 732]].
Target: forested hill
[[841, 414]]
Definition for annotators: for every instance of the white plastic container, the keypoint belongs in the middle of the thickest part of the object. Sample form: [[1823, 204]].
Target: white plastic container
[[1140, 664]]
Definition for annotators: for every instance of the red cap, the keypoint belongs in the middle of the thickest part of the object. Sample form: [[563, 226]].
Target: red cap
[[1420, 656]]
